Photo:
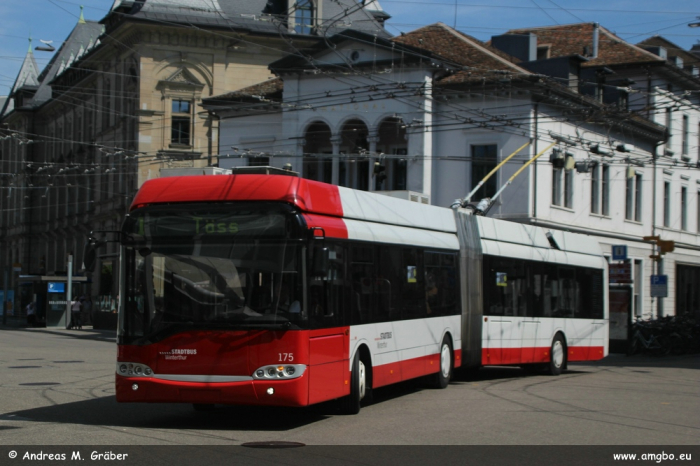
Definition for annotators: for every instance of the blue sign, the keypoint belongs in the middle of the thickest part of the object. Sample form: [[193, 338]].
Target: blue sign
[[619, 252], [57, 287], [659, 286]]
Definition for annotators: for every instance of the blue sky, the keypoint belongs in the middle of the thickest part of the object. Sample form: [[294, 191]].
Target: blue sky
[[633, 21]]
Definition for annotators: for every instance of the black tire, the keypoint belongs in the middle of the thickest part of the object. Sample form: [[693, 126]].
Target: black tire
[[444, 374], [358, 387], [557, 355], [201, 407]]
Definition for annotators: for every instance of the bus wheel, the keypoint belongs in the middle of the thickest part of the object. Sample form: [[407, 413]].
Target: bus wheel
[[442, 378], [358, 386], [557, 355], [202, 406]]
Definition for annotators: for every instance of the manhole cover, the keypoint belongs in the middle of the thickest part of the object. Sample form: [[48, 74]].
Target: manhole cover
[[273, 444], [66, 362], [36, 384], [23, 367]]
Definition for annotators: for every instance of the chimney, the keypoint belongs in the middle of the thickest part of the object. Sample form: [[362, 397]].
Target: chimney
[[596, 38]]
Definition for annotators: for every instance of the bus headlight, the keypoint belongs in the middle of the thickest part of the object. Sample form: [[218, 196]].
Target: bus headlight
[[283, 372], [133, 369]]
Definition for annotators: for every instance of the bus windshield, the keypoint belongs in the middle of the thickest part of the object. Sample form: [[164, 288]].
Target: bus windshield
[[230, 267]]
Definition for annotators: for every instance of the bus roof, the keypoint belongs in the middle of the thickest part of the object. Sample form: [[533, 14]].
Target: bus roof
[[307, 195]]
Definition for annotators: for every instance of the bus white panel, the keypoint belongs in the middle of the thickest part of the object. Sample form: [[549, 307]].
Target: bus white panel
[[518, 251], [372, 207], [380, 233], [511, 232], [527, 332], [581, 244], [408, 339]]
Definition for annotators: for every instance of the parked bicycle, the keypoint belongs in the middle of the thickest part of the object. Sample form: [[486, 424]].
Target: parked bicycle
[[673, 334], [647, 338]]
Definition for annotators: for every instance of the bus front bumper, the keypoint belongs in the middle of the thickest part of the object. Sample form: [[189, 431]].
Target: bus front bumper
[[293, 392]]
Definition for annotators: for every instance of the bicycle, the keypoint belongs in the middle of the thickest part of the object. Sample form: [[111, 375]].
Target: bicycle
[[648, 339]]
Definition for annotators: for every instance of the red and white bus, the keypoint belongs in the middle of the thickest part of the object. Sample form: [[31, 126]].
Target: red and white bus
[[277, 290]]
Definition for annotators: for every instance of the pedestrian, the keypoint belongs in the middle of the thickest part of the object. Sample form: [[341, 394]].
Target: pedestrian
[[75, 314], [31, 314], [87, 310]]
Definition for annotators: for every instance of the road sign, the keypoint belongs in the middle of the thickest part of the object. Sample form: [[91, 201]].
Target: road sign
[[659, 286], [620, 273], [619, 252]]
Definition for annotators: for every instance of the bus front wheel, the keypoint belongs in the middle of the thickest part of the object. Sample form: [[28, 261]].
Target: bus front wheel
[[358, 386], [557, 355]]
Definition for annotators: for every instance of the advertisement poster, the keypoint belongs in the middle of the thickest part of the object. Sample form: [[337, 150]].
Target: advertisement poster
[[10, 304]]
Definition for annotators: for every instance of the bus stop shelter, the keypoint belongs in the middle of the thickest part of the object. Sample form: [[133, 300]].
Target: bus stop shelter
[[49, 292]]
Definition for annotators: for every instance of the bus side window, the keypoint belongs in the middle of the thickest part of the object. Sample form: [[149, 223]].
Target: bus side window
[[362, 271]]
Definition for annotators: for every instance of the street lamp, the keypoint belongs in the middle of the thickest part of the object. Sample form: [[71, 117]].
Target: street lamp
[[695, 24]]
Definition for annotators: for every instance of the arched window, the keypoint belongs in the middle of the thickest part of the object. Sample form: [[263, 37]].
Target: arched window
[[304, 18]]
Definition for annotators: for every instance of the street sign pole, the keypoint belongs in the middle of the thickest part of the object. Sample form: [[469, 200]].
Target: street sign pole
[[69, 293], [4, 299]]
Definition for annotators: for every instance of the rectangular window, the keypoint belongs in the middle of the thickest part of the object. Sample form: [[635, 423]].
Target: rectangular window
[[686, 129], [638, 198], [667, 204], [181, 122], [633, 210], [595, 189], [605, 190], [304, 17], [698, 212], [398, 171], [563, 188], [556, 186], [684, 208], [516, 287], [669, 127], [569, 189], [484, 159]]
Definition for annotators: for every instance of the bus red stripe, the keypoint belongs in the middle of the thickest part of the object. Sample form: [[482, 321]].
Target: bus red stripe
[[529, 355]]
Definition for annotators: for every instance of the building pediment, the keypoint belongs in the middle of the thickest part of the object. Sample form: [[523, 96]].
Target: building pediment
[[181, 77]]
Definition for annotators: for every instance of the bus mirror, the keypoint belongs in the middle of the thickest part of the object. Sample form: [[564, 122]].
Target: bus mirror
[[90, 253], [320, 262]]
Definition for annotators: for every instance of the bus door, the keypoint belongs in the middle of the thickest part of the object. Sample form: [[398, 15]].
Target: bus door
[[500, 321], [329, 337]]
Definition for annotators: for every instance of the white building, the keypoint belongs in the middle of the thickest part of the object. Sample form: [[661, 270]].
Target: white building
[[435, 110]]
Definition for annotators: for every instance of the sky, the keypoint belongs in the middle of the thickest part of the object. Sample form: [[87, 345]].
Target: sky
[[632, 20]]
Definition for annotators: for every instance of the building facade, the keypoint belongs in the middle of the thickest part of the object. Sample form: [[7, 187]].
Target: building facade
[[118, 102], [428, 114]]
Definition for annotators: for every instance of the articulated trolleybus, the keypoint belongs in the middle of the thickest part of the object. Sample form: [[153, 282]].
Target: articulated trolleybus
[[277, 290]]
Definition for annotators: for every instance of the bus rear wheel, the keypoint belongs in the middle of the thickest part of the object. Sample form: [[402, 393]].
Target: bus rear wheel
[[557, 355], [444, 375], [358, 386]]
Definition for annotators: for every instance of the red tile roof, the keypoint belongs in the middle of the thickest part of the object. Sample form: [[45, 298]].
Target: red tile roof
[[672, 49], [572, 39], [458, 48]]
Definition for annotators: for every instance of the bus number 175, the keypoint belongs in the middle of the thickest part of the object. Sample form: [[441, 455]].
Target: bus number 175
[[286, 357]]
